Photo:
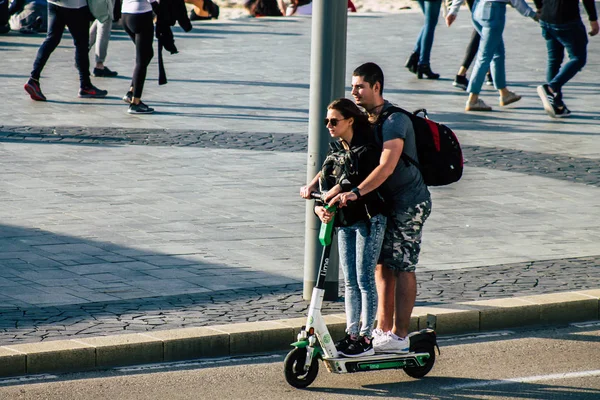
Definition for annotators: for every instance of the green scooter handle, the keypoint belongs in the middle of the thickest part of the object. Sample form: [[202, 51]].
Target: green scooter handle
[[326, 232]]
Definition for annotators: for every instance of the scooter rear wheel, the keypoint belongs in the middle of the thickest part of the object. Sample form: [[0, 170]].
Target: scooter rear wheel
[[294, 369], [420, 372]]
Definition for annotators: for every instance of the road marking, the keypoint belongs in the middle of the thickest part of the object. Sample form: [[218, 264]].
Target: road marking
[[538, 378], [26, 379], [457, 338], [586, 324], [184, 364]]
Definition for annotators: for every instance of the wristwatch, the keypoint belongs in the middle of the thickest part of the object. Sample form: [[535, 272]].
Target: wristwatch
[[356, 192]]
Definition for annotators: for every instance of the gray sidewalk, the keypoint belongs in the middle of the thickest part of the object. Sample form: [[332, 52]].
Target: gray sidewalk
[[111, 223]]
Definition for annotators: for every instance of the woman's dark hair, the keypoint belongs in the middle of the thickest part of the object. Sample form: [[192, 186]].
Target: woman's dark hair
[[263, 8], [298, 3], [348, 109]]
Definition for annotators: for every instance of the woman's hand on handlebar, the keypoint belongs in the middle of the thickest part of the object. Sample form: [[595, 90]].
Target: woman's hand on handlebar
[[343, 198], [324, 215], [305, 191]]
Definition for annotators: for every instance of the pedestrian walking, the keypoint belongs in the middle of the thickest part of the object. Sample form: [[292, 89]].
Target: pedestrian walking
[[99, 38], [137, 19], [461, 81], [489, 19], [563, 29], [419, 61], [75, 15]]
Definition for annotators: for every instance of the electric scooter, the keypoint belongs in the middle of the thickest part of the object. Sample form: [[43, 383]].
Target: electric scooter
[[301, 365]]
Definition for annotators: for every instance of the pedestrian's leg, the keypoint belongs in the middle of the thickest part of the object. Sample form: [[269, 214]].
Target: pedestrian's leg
[[556, 52], [79, 26], [432, 14], [102, 43], [575, 41], [417, 47], [470, 52], [143, 55], [56, 27], [93, 33]]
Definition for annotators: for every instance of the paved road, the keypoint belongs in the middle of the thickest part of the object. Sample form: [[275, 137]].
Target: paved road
[[114, 223], [539, 364]]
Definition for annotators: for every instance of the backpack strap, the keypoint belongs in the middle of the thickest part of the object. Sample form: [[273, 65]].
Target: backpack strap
[[384, 116]]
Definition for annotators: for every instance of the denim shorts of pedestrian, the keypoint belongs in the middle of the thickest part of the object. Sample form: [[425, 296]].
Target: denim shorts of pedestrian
[[402, 241]]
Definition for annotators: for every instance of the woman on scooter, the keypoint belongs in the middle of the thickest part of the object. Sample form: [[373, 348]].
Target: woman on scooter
[[360, 224]]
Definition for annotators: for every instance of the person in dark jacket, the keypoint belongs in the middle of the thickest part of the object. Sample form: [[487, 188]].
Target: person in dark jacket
[[361, 224], [563, 29]]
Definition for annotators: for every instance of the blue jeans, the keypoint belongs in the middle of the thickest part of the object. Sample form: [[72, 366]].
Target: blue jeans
[[489, 19], [431, 10], [359, 246], [572, 37]]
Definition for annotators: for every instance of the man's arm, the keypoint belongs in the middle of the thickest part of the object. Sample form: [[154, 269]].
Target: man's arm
[[590, 9], [390, 155]]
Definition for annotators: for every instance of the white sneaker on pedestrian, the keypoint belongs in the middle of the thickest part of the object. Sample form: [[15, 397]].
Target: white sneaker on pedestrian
[[479, 105], [391, 343]]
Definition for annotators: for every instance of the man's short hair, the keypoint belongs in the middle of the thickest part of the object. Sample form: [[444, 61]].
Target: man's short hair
[[371, 73]]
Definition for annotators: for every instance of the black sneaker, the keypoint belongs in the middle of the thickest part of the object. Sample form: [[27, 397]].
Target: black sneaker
[[33, 88], [489, 80], [562, 112], [359, 348], [140, 108], [128, 98], [461, 82], [92, 92], [343, 344], [548, 99], [104, 73]]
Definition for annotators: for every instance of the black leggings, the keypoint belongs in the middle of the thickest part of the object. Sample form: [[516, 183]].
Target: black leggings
[[78, 21], [473, 45], [140, 29]]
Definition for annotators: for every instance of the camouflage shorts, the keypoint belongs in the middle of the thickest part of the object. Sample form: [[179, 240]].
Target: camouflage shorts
[[402, 241]]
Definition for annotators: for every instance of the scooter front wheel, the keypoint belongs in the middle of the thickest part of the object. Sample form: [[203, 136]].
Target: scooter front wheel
[[294, 371]]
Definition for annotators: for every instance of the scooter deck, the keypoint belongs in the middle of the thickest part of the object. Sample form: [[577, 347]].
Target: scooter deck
[[378, 357], [342, 365]]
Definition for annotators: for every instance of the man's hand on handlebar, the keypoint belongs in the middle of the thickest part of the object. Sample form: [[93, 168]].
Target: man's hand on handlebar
[[343, 198]]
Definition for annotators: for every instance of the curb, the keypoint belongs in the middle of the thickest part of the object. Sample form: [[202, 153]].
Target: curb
[[76, 355]]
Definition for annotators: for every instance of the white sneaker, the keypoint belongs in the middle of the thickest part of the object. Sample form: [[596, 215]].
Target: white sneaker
[[479, 105], [391, 343], [378, 336]]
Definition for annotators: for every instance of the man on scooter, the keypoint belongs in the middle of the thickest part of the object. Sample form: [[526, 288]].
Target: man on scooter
[[406, 191]]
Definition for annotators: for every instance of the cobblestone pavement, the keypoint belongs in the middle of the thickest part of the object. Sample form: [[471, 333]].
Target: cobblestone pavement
[[277, 302], [557, 166], [111, 223]]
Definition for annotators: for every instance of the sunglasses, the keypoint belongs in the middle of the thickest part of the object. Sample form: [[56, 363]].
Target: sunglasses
[[333, 121]]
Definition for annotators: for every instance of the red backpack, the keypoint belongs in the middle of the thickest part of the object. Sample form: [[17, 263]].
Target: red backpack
[[440, 157]]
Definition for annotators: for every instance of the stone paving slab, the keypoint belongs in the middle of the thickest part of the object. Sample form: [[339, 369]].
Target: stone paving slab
[[190, 217]]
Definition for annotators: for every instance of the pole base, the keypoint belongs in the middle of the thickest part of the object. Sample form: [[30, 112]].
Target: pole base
[[331, 290]]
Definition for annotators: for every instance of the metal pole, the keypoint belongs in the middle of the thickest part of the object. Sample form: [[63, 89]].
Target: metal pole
[[327, 76]]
